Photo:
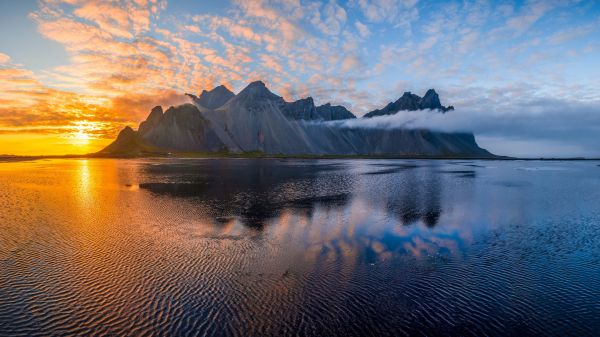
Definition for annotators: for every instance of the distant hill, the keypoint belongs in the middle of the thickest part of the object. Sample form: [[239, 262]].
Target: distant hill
[[257, 120]]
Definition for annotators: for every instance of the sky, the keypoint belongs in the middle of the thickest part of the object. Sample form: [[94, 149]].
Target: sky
[[524, 76]]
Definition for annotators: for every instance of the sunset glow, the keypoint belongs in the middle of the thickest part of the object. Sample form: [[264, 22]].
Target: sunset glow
[[74, 72], [299, 168]]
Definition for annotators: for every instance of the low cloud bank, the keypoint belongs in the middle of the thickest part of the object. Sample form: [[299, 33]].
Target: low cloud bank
[[541, 127]]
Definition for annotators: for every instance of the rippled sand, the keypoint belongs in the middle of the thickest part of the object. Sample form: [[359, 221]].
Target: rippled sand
[[290, 247]]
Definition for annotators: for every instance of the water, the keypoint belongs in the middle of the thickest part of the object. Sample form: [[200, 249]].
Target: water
[[291, 247]]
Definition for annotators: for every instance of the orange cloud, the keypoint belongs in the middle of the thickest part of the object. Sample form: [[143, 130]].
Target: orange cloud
[[28, 107], [110, 18], [122, 63]]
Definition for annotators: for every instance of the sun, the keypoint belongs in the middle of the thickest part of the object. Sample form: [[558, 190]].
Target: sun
[[81, 134]]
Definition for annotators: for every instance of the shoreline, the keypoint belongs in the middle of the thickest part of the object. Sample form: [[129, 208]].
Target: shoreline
[[253, 155]]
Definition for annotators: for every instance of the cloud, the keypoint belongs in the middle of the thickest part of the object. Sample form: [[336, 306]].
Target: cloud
[[363, 30], [331, 19], [573, 33], [25, 103], [110, 18], [271, 63], [269, 16], [4, 58], [233, 27], [538, 125], [532, 13], [351, 62], [400, 13], [361, 53]]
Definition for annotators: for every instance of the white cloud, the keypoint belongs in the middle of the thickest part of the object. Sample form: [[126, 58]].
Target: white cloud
[[324, 49], [541, 127], [569, 34], [4, 58], [331, 19], [351, 63], [397, 12], [363, 30], [531, 14]]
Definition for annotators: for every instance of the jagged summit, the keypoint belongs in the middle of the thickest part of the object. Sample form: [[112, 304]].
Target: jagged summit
[[302, 109], [305, 109], [218, 89], [126, 133], [152, 120], [256, 119], [411, 102], [257, 91], [330, 112], [255, 96], [431, 100], [214, 98]]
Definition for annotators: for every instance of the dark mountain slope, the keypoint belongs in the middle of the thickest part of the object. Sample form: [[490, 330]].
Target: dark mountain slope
[[214, 98], [257, 120]]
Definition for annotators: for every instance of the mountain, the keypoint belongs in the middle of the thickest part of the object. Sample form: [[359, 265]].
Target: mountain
[[253, 120], [129, 143], [305, 109], [302, 109], [412, 102], [257, 120], [329, 112], [152, 121], [181, 128], [214, 98]]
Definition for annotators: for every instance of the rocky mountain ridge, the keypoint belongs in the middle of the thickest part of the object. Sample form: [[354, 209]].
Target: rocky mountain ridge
[[257, 120], [411, 102]]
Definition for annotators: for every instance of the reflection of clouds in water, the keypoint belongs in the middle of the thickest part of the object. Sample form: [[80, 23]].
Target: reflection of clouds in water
[[322, 210], [316, 242]]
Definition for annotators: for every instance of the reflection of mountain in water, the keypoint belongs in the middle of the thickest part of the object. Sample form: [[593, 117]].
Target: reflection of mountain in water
[[416, 195], [258, 190], [253, 190], [320, 203]]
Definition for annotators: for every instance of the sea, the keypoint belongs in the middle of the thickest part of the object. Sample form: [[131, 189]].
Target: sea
[[292, 247]]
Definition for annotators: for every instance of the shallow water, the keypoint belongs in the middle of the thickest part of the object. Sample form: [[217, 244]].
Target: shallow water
[[299, 247]]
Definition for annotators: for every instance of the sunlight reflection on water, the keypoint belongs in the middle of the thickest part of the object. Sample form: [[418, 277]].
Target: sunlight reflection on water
[[271, 247]]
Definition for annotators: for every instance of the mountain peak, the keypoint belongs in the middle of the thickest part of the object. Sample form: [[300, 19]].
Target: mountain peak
[[302, 109], [330, 112], [153, 118], [257, 91], [218, 89], [126, 131], [411, 102], [155, 112], [258, 83], [258, 120], [214, 98], [309, 100], [431, 100]]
